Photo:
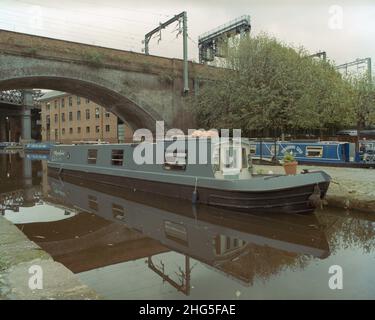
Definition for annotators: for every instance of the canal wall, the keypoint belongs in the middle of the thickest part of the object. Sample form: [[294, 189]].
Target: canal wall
[[350, 188], [21, 261]]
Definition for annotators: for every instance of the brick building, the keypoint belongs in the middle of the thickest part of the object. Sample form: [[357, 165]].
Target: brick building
[[67, 118]]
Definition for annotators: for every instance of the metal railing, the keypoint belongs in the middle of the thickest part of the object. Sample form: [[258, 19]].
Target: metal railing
[[17, 97]]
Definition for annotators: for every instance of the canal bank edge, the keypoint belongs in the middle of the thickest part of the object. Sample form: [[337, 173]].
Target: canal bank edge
[[18, 254], [350, 188]]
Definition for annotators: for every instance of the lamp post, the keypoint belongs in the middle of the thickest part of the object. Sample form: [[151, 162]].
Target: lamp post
[[8, 129]]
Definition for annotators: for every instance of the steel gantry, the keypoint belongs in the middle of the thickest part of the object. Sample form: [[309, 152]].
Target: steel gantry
[[358, 63], [210, 43], [181, 19]]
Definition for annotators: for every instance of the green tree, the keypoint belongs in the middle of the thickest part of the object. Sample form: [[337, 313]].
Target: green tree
[[362, 101], [269, 85]]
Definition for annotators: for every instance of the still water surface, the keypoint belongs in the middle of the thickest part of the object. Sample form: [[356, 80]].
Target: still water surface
[[128, 245]]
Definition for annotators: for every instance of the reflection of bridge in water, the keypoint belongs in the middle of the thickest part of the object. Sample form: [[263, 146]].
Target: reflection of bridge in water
[[17, 188]]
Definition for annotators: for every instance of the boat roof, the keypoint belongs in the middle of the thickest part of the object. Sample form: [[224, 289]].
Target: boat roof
[[94, 143]]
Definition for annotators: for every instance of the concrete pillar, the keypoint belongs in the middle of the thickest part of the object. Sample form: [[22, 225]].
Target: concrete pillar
[[26, 124], [26, 119]]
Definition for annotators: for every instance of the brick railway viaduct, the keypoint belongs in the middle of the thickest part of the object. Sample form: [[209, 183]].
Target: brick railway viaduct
[[138, 88]]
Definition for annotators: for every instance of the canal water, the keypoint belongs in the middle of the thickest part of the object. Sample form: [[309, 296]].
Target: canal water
[[128, 245]]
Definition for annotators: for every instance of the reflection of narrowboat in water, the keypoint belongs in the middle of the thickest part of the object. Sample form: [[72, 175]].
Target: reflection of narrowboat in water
[[211, 235], [38, 147], [223, 180], [323, 152]]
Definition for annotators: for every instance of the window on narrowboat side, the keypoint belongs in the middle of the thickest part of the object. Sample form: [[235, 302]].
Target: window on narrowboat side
[[176, 232], [314, 152], [93, 203], [117, 157], [92, 156], [118, 212], [175, 160]]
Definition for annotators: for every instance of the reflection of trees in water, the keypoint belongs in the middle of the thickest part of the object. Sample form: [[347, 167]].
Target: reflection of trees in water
[[344, 232], [262, 262]]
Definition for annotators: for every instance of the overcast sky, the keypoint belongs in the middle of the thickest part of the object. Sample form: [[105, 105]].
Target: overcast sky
[[344, 29]]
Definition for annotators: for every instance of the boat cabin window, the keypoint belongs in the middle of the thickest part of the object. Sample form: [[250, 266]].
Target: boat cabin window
[[91, 156], [176, 232], [314, 152], [117, 157], [175, 160], [93, 203], [118, 212]]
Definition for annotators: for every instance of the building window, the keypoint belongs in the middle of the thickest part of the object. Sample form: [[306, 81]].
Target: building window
[[48, 106], [87, 129], [56, 118], [87, 114], [70, 130], [63, 131], [70, 116], [78, 101], [55, 104], [97, 129], [97, 113], [78, 129], [70, 101], [107, 114], [78, 115], [107, 128], [63, 117], [91, 156], [48, 119], [62, 103], [87, 101], [117, 157]]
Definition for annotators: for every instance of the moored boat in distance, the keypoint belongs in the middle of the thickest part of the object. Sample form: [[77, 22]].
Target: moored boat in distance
[[38, 147], [325, 153], [225, 179]]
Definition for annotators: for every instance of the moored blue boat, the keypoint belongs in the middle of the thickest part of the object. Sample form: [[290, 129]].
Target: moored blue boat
[[322, 152], [38, 146]]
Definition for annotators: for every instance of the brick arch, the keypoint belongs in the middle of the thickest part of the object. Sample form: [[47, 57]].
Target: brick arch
[[86, 82]]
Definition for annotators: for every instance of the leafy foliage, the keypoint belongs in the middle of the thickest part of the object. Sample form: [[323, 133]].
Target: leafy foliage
[[93, 58], [288, 157], [267, 84]]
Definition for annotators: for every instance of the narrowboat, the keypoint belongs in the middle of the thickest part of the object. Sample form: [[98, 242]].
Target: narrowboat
[[38, 147], [225, 178], [37, 156], [331, 153]]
